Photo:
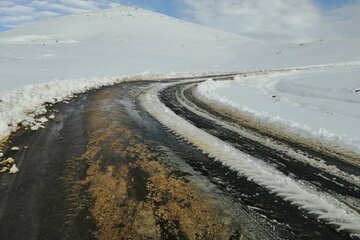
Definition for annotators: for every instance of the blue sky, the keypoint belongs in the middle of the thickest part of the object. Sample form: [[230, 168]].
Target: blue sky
[[333, 3], [280, 18], [168, 7]]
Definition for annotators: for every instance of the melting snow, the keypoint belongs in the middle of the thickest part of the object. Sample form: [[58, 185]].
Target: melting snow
[[321, 204]]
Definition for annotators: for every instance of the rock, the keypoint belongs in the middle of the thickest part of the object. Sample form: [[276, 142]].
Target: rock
[[15, 149], [4, 169], [10, 160], [34, 128], [13, 169], [52, 116], [1, 154], [42, 120], [26, 147]]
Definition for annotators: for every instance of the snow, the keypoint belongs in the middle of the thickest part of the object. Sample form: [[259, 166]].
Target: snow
[[35, 39], [15, 149], [14, 169], [24, 105], [116, 42], [322, 205], [55, 58], [319, 103], [324, 166], [318, 95]]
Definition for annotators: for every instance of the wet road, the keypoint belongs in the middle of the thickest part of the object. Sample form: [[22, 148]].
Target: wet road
[[105, 169]]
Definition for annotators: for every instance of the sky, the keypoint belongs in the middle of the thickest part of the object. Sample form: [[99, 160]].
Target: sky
[[274, 20]]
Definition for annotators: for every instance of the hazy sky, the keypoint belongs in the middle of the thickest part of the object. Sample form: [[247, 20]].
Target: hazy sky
[[294, 20]]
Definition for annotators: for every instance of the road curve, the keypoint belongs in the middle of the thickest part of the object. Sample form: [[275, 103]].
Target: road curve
[[105, 168], [321, 172]]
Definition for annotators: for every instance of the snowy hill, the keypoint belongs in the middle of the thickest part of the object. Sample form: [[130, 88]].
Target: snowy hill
[[130, 40], [114, 42]]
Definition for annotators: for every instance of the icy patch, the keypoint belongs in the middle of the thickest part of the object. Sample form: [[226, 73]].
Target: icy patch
[[324, 206]]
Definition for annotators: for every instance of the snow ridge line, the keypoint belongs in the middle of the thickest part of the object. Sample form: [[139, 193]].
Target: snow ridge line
[[324, 206]]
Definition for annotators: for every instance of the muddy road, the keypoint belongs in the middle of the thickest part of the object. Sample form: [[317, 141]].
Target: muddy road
[[104, 168]]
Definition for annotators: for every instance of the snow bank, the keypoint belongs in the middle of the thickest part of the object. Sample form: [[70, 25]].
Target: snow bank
[[322, 205], [317, 102], [25, 104]]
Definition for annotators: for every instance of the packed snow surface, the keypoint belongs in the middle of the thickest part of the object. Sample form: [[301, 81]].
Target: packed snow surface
[[319, 102]]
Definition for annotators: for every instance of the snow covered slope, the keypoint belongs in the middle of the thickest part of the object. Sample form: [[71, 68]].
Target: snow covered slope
[[114, 42], [128, 40]]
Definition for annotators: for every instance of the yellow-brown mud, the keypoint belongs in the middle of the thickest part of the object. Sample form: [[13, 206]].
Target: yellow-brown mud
[[129, 191]]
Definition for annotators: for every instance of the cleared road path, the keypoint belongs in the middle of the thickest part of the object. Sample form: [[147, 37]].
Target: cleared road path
[[106, 169]]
